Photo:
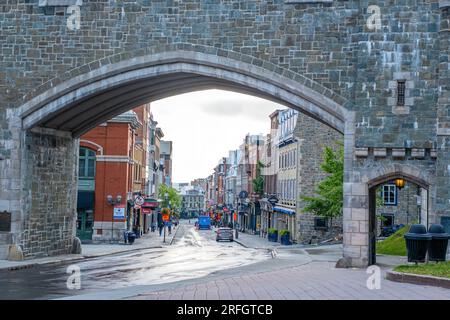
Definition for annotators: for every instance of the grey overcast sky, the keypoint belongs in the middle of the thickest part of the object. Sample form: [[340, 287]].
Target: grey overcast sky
[[205, 125]]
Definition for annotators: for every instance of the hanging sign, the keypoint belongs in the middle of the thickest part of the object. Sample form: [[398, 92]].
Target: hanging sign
[[146, 210], [139, 200]]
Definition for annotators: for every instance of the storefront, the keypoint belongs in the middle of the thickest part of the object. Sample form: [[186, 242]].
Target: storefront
[[285, 220], [254, 221], [149, 212], [266, 216]]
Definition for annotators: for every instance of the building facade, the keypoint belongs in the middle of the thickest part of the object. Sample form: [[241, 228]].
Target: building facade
[[285, 210], [312, 138], [166, 162], [118, 161], [193, 202], [107, 168], [270, 173], [400, 206]]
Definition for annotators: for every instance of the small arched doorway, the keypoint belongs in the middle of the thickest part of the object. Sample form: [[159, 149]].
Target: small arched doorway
[[392, 206]]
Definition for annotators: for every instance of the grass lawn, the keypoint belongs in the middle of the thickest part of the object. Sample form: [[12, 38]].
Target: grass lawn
[[394, 245], [441, 269]]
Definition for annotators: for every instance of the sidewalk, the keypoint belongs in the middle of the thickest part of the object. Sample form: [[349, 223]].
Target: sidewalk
[[88, 251], [325, 252], [257, 242]]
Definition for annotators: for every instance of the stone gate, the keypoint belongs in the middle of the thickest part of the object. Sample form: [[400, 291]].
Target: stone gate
[[377, 71]]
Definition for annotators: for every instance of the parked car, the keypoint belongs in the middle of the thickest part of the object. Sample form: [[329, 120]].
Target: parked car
[[224, 234]]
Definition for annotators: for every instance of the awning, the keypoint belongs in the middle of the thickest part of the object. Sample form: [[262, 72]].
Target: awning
[[284, 210], [150, 203]]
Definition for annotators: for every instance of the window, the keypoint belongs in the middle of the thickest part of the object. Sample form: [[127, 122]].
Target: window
[[389, 194], [86, 164], [388, 220], [320, 223], [401, 86], [289, 189]]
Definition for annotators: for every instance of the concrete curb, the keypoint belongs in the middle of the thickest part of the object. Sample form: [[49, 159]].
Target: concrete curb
[[418, 279], [241, 243], [174, 235]]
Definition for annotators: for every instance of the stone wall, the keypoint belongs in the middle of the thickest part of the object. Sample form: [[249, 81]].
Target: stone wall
[[50, 194], [313, 137], [406, 211]]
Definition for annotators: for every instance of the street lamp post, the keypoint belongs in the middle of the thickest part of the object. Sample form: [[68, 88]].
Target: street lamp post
[[111, 201]]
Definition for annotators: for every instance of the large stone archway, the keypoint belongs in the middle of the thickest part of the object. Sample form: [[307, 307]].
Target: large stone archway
[[321, 57], [52, 120]]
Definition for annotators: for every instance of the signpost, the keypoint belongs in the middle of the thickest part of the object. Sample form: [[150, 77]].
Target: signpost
[[139, 200]]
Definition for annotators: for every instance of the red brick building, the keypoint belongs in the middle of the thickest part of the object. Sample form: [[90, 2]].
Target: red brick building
[[106, 179]]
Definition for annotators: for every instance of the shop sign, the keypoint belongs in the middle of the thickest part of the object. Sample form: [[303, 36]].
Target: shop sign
[[146, 210], [119, 212]]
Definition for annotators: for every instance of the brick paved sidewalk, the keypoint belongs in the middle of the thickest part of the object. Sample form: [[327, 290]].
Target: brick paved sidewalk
[[313, 281]]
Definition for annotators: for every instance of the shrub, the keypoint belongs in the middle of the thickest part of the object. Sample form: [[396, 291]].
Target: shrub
[[284, 233], [272, 230]]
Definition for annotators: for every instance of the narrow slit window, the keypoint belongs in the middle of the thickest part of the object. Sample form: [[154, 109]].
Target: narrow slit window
[[401, 93]]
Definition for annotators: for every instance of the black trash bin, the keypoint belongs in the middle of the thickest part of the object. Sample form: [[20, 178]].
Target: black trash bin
[[437, 250], [131, 237], [417, 240]]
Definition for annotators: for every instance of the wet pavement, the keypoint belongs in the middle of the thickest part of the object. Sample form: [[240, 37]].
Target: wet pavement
[[193, 254]]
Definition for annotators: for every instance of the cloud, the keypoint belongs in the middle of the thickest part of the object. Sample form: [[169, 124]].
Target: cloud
[[205, 125]]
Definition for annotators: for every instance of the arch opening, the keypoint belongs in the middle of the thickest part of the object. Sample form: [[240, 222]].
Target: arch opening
[[392, 207], [85, 101]]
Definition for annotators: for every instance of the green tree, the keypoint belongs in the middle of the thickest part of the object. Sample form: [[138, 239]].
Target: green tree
[[173, 197], [329, 200], [258, 182]]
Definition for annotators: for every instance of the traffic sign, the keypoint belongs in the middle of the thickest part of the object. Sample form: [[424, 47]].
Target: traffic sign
[[139, 200]]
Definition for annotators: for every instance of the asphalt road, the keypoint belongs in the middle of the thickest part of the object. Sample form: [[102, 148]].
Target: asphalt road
[[193, 254]]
